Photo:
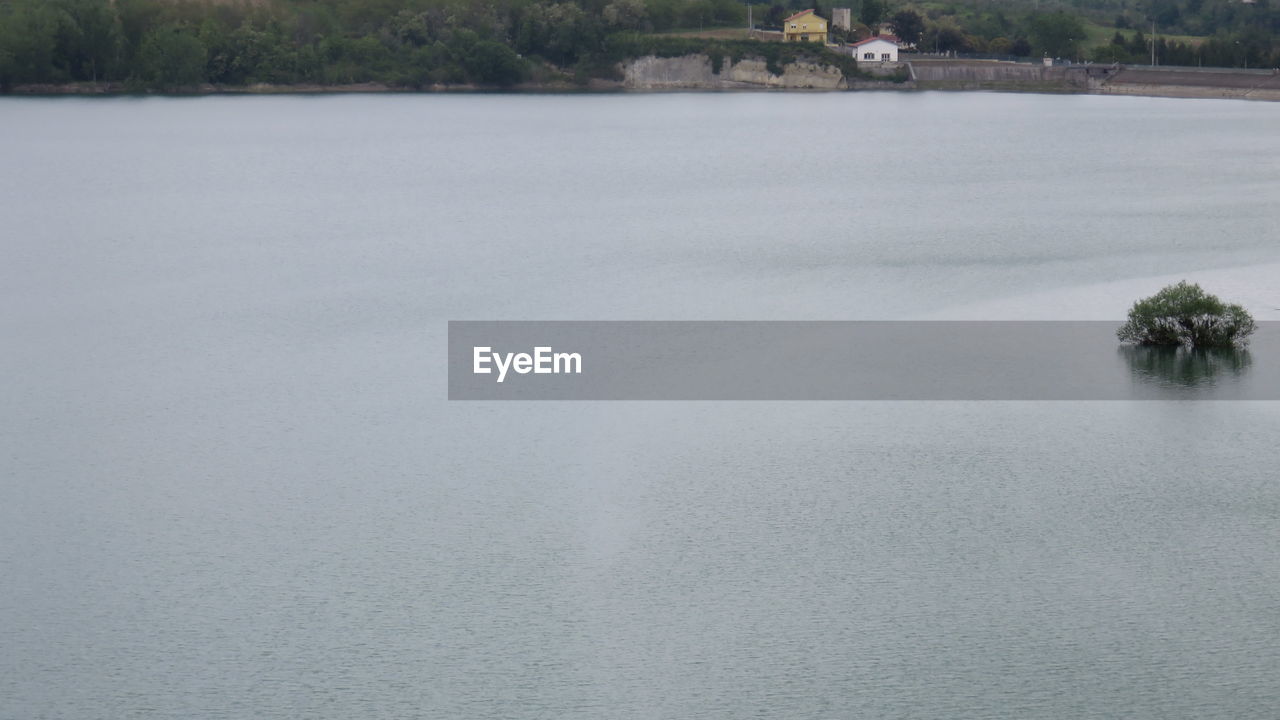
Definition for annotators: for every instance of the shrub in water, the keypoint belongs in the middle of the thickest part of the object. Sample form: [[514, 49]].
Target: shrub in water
[[1186, 315]]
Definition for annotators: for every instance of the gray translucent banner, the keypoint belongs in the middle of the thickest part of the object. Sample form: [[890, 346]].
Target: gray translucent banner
[[678, 360]]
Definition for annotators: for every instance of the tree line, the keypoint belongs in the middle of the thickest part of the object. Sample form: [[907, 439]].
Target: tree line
[[410, 43], [1237, 34], [419, 43]]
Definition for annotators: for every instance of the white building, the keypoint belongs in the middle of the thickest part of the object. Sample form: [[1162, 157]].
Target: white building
[[875, 49]]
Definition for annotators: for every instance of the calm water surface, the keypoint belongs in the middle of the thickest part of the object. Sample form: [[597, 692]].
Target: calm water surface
[[230, 485]]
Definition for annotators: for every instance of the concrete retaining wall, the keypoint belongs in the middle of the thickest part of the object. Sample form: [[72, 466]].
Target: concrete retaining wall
[[997, 74], [1187, 91], [1193, 83]]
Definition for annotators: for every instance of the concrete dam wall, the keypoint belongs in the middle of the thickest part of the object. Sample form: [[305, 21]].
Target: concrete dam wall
[[1193, 83], [697, 72], [996, 75]]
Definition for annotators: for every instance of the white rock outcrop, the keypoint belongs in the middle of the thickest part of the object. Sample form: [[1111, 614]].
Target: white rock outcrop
[[695, 72]]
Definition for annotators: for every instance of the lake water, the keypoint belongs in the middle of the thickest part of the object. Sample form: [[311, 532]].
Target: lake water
[[232, 486]]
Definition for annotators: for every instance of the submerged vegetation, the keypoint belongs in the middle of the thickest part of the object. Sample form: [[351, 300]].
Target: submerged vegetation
[[1185, 315], [1185, 367]]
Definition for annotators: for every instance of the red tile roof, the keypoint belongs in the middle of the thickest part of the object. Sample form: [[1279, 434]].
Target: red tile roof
[[886, 38], [799, 14]]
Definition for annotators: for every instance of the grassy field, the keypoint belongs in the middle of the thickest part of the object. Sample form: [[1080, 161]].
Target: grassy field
[[1099, 35], [1096, 35], [734, 33]]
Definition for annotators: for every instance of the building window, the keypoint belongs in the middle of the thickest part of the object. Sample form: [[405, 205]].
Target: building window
[[805, 38], [869, 56], [884, 57], [793, 26]]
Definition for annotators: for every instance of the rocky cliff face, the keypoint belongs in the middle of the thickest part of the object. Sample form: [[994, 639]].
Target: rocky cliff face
[[695, 71]]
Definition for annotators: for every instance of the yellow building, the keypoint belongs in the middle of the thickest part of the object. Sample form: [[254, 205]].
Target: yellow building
[[804, 26]]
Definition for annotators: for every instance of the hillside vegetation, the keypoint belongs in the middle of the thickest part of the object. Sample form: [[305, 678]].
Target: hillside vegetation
[[162, 44], [1221, 33]]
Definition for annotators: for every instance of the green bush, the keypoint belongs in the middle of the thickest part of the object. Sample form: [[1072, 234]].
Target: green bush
[[492, 63], [171, 56], [1186, 315]]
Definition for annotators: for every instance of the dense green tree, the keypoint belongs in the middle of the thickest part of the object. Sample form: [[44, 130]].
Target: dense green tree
[[1138, 43], [137, 18], [168, 43], [624, 14], [28, 44], [871, 12], [909, 26], [698, 13], [89, 39], [776, 15], [730, 12], [492, 63], [1184, 314], [1165, 12], [358, 60], [1056, 34], [411, 28], [946, 38], [662, 14], [172, 56], [560, 32]]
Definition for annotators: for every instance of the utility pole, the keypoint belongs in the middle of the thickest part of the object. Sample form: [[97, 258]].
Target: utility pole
[[1153, 43]]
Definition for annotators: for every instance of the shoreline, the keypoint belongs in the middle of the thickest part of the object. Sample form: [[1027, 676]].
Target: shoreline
[[695, 73], [116, 89], [1172, 92]]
